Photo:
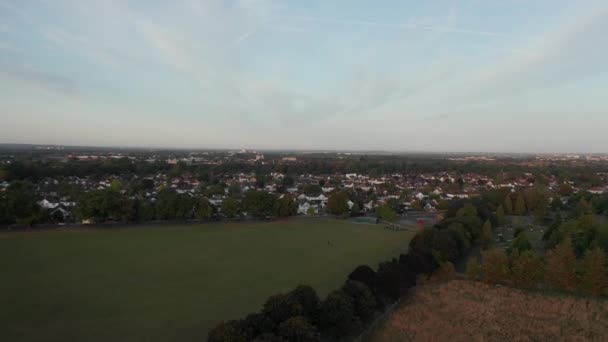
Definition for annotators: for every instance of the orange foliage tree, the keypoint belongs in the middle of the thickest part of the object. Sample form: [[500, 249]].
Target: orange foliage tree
[[560, 267], [527, 270], [494, 266], [595, 276]]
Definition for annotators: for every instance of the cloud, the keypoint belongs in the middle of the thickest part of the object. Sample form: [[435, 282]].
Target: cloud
[[40, 78]]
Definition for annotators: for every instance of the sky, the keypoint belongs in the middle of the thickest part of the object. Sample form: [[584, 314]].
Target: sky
[[478, 75]]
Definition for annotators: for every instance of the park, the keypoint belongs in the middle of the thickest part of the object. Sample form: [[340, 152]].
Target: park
[[172, 282]]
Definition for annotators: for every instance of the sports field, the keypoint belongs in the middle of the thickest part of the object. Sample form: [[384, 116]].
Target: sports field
[[170, 283]]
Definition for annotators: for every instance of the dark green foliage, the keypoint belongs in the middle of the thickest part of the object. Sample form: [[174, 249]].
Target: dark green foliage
[[363, 299], [338, 203], [298, 329], [285, 206], [394, 279], [231, 331], [259, 203], [309, 301], [338, 317], [18, 204], [202, 209], [365, 275], [386, 213], [520, 243], [500, 216], [281, 307]]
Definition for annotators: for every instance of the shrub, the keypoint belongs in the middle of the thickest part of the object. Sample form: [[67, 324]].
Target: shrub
[[230, 331]]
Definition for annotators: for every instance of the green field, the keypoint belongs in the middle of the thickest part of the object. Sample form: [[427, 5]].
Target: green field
[[170, 283]]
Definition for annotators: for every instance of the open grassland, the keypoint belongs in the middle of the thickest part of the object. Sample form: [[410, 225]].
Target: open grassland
[[467, 311], [170, 283]]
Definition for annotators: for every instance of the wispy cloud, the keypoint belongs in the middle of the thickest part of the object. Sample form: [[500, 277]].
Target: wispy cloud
[[242, 37]]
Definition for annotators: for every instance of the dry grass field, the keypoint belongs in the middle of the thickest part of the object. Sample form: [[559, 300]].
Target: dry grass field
[[467, 311]]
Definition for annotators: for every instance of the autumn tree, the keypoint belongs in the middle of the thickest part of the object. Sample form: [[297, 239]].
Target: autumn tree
[[446, 271], [487, 233], [520, 243], [500, 216], [508, 206], [494, 266], [472, 270], [520, 205], [560, 267], [527, 270], [595, 276]]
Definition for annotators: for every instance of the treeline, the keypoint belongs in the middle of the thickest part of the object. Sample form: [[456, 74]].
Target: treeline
[[560, 269], [18, 205], [301, 315]]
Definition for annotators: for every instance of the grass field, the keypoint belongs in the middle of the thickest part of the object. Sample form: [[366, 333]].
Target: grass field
[[170, 283]]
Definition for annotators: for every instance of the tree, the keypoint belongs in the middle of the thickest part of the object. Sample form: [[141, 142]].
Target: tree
[[394, 279], [467, 210], [355, 209], [338, 317], [338, 203], [508, 205], [472, 269], [20, 203], [520, 205], [560, 267], [595, 276], [298, 329], [386, 213], [311, 211], [230, 207], [494, 266], [520, 243], [308, 299], [259, 203], [285, 206], [279, 308], [203, 209], [487, 233], [527, 270], [446, 271], [363, 299], [565, 190], [227, 331], [500, 216], [365, 275]]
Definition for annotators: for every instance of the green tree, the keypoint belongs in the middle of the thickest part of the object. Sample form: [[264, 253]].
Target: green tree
[[298, 329], [338, 318], [355, 209], [467, 210], [363, 299], [285, 206], [230, 207], [500, 216], [227, 331], [384, 212], [203, 209], [560, 267], [338, 203], [259, 203], [527, 270], [472, 269], [520, 243], [20, 203], [595, 275], [520, 205], [311, 211]]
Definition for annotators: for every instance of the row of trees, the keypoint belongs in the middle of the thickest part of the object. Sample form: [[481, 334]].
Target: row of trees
[[560, 269], [301, 316]]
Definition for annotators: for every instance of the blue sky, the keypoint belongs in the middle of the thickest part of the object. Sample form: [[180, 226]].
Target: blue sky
[[480, 75]]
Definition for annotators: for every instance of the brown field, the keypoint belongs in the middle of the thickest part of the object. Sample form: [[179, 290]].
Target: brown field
[[468, 311]]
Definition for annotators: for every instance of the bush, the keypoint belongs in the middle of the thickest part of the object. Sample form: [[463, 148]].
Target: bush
[[338, 317]]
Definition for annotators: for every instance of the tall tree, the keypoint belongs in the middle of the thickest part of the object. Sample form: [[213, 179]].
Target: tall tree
[[520, 205], [560, 267], [595, 275], [500, 216], [527, 270], [338, 203], [472, 269], [487, 235], [494, 266], [508, 205]]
